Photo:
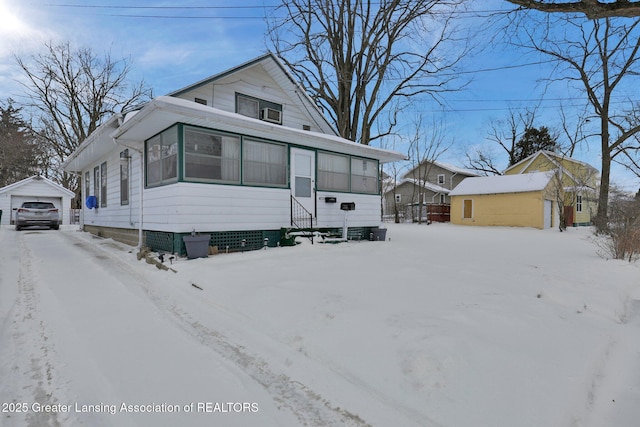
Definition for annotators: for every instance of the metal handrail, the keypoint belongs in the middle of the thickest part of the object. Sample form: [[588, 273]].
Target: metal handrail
[[301, 218]]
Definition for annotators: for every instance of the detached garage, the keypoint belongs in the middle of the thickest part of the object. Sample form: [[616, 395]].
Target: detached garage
[[524, 200], [38, 189]]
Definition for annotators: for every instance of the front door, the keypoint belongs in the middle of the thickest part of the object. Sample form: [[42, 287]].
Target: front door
[[303, 178]]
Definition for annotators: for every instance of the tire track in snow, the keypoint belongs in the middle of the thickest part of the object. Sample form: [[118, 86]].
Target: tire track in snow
[[308, 406], [30, 336]]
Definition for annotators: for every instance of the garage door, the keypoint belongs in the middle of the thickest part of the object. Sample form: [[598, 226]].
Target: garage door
[[16, 202], [548, 213]]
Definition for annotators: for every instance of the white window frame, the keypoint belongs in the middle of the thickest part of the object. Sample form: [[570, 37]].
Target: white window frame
[[103, 185]]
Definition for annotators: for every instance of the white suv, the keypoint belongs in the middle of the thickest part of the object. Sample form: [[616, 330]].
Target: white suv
[[37, 213]]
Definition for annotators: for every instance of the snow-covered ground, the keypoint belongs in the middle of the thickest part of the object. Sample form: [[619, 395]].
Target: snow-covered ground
[[440, 326]]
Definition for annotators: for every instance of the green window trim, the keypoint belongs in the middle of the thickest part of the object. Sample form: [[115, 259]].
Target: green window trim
[[171, 150]]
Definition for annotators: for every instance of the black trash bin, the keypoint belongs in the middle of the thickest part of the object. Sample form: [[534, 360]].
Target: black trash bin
[[379, 234], [197, 246]]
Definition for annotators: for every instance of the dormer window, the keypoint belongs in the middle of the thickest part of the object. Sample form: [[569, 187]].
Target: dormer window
[[246, 106], [258, 108]]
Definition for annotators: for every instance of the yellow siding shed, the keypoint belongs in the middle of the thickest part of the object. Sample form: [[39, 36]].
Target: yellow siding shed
[[511, 200]]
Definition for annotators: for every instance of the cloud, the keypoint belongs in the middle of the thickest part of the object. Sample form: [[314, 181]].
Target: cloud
[[15, 32]]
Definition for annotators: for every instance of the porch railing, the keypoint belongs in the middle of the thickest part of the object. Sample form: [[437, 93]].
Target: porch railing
[[301, 218]]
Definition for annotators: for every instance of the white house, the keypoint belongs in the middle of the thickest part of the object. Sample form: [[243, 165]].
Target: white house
[[35, 188], [241, 155]]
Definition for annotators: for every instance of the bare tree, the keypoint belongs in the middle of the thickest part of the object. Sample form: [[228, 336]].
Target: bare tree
[[359, 59], [71, 92], [425, 147], [510, 136], [592, 9], [390, 175], [622, 238], [573, 133], [567, 186], [599, 57]]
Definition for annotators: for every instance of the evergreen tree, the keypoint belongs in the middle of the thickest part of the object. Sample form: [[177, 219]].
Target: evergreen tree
[[532, 141], [19, 150]]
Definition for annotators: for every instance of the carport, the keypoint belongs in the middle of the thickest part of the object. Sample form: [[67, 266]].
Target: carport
[[35, 188]]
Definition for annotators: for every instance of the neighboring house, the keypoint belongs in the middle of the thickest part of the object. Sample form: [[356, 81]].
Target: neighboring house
[[522, 200], [423, 192], [35, 188], [576, 196], [243, 155]]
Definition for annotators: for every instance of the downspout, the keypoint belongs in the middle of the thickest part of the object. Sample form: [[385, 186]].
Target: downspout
[[141, 199], [141, 190], [451, 180], [140, 206]]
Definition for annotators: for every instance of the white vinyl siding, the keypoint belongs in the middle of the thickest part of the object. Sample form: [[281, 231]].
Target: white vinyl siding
[[114, 214], [256, 83]]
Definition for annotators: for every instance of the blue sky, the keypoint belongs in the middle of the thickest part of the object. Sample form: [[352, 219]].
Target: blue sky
[[172, 46]]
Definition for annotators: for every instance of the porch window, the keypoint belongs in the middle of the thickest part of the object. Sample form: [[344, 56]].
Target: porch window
[[442, 199], [578, 203], [162, 158], [467, 210], [364, 176], [211, 156], [103, 185], [333, 172], [264, 163]]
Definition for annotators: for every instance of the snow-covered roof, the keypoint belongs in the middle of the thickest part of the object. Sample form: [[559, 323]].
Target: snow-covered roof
[[456, 169], [36, 178], [428, 185], [165, 111], [503, 184], [446, 166]]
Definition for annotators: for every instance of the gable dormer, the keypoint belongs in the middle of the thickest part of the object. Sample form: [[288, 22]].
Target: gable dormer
[[262, 89]]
